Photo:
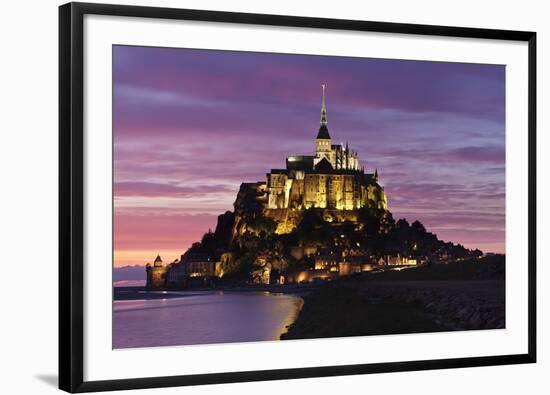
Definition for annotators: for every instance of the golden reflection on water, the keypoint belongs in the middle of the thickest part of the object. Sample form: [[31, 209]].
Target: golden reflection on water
[[291, 316]]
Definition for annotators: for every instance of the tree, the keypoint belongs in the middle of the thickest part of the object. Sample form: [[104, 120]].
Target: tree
[[402, 224], [417, 226]]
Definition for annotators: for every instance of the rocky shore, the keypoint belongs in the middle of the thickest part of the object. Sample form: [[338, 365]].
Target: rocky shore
[[466, 295]]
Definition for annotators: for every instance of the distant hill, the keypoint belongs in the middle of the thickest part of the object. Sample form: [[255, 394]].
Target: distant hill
[[129, 276]]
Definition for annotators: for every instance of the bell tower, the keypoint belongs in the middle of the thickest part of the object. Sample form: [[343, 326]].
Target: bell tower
[[323, 141]]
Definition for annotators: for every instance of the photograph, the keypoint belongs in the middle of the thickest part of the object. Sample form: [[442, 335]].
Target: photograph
[[280, 196]]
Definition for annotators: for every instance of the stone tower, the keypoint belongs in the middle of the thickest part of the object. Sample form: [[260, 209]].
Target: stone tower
[[156, 274]]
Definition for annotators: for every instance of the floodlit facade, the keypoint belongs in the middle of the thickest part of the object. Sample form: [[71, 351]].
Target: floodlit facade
[[332, 178]]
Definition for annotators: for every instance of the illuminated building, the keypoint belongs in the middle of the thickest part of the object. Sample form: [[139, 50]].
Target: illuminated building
[[156, 274], [397, 261], [332, 178], [195, 268], [327, 260]]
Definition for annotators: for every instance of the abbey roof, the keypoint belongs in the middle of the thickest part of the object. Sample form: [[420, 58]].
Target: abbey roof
[[323, 132], [324, 165]]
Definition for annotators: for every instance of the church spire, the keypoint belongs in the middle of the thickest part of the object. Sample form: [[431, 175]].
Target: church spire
[[323, 107], [323, 130]]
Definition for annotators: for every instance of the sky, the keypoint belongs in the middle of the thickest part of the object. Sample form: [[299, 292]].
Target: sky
[[191, 125]]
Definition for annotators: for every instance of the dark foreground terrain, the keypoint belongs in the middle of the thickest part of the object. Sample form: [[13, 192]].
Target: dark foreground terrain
[[464, 295]]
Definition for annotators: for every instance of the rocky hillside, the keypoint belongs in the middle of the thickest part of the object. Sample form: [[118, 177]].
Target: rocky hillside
[[252, 236]]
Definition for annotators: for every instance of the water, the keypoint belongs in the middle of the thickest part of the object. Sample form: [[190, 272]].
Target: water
[[203, 318]]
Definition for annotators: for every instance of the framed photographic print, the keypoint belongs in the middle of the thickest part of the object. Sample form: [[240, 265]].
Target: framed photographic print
[[256, 197]]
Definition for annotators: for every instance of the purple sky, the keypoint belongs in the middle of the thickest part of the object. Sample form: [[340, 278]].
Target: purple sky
[[191, 125]]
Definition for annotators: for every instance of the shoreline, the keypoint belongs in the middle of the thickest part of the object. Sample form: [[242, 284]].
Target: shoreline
[[434, 299], [443, 297]]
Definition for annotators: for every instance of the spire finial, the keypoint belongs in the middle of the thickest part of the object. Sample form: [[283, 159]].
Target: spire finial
[[323, 106]]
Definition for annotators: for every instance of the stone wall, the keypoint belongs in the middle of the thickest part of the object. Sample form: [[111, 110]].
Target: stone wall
[[156, 277]]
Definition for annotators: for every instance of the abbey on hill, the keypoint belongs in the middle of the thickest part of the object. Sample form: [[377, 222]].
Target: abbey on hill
[[321, 216], [333, 179]]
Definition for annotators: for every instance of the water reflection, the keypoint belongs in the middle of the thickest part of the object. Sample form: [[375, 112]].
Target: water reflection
[[203, 318]]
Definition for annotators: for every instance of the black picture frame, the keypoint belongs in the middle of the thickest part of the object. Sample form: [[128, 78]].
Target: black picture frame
[[71, 173]]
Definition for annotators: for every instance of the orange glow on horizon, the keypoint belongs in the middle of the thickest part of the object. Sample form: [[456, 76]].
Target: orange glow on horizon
[[142, 257]]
